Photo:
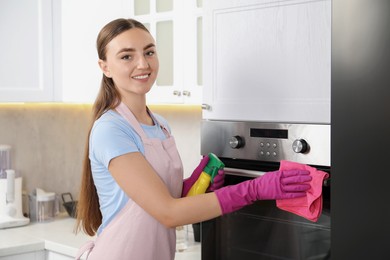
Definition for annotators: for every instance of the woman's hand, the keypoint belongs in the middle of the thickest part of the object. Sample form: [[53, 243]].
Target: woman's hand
[[189, 182], [218, 181], [275, 185]]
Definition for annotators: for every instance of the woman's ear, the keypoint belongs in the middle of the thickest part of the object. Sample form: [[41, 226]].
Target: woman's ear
[[104, 67]]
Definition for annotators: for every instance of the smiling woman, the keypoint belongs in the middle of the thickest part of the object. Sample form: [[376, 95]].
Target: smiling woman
[[132, 191]]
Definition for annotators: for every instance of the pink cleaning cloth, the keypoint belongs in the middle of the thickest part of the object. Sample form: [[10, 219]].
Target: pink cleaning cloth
[[310, 206]]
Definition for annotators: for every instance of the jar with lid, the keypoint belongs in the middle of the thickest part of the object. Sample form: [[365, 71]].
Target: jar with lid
[[42, 205]]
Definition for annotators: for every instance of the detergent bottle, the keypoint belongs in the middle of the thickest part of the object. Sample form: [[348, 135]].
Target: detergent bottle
[[207, 175]]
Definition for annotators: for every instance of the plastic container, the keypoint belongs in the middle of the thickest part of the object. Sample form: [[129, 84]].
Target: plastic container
[[43, 206]]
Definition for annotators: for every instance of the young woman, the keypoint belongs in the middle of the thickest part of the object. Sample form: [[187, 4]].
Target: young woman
[[132, 192]]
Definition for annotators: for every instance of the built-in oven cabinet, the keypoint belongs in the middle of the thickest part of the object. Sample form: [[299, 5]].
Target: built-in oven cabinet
[[267, 60]]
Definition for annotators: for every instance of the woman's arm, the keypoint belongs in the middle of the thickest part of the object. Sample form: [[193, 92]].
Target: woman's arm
[[141, 183]]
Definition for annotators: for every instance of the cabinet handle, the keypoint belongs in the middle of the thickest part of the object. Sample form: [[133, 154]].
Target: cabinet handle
[[177, 93], [206, 107], [186, 93]]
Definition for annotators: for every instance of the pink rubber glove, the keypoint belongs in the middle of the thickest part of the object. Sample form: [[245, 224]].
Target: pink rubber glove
[[271, 186], [218, 181], [187, 183]]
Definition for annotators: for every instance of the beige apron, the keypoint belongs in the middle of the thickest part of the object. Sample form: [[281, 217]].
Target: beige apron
[[133, 233]]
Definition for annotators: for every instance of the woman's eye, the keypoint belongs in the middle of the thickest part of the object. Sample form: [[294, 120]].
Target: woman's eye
[[150, 53], [126, 57]]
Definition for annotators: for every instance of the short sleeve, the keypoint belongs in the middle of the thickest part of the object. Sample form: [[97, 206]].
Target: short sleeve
[[111, 138]]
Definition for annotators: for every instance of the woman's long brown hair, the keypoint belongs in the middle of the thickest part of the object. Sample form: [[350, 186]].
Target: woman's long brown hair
[[89, 217]]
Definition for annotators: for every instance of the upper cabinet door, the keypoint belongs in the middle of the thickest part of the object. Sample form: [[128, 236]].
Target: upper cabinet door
[[267, 60], [26, 45]]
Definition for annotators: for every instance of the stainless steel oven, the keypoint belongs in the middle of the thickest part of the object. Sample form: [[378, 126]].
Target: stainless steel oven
[[261, 230]]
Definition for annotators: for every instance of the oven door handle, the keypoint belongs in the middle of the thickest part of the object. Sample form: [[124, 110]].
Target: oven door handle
[[243, 172], [255, 174]]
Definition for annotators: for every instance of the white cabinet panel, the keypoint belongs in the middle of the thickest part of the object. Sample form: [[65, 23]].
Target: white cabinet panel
[[267, 60], [26, 70]]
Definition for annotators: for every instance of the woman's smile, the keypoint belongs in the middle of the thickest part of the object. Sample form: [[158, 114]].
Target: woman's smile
[[145, 76]]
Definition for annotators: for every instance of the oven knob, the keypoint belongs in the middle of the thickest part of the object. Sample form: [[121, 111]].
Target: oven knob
[[300, 146], [236, 142]]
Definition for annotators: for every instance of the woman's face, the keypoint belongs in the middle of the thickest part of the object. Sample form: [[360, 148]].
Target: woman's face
[[131, 61]]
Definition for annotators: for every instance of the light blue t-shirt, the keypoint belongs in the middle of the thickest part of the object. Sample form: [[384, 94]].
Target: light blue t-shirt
[[112, 136]]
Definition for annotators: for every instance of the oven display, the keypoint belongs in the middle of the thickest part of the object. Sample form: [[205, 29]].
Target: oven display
[[269, 133]]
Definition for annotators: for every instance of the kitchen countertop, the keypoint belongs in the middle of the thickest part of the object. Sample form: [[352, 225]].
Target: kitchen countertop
[[58, 236]]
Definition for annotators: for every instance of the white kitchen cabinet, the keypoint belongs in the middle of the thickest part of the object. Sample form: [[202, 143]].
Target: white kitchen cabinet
[[27, 51], [38, 255], [267, 60]]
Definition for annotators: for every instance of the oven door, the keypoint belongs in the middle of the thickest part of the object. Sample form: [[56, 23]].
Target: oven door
[[262, 231]]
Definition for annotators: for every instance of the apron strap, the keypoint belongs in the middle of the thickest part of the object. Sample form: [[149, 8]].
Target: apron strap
[[164, 129], [128, 115], [86, 248]]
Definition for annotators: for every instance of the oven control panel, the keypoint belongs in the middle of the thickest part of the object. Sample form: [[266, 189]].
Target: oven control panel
[[273, 142]]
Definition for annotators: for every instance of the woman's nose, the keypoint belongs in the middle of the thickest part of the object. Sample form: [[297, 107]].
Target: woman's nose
[[142, 63]]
